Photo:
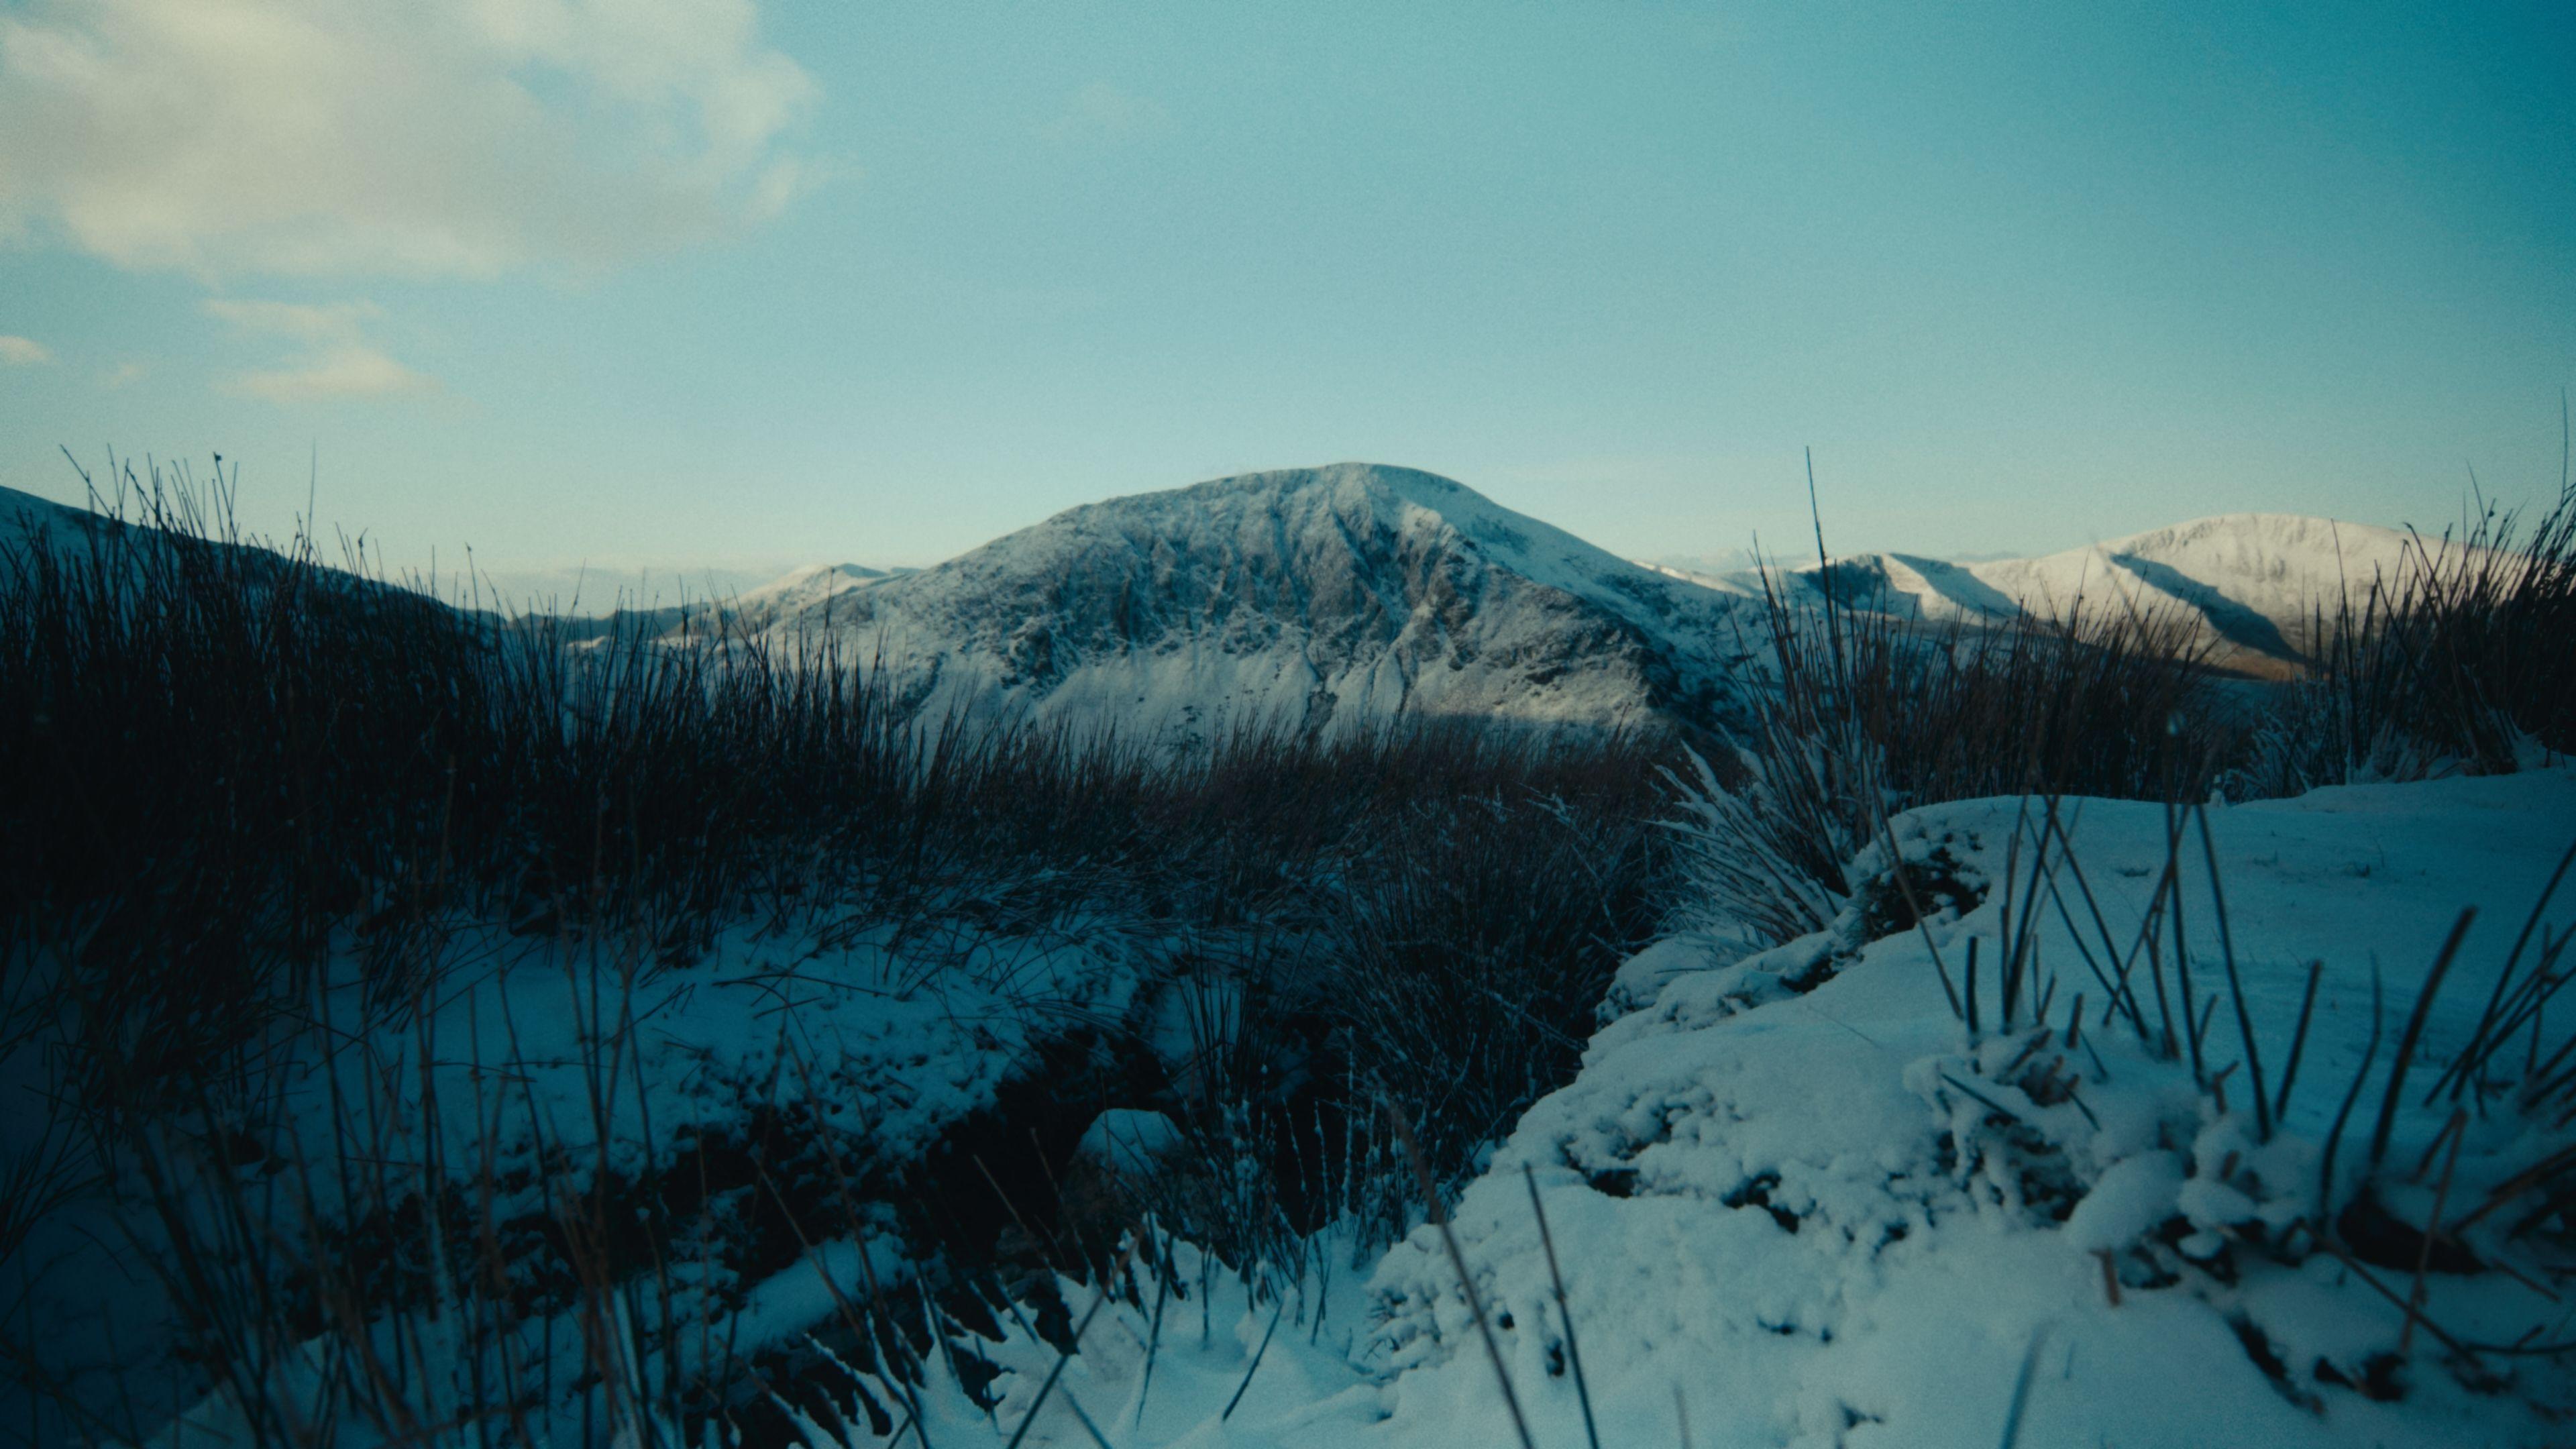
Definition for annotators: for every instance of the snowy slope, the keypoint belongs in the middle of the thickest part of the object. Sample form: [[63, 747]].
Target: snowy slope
[[1311, 597], [2252, 581], [752, 611], [1786, 1209], [25, 517], [1818, 1215]]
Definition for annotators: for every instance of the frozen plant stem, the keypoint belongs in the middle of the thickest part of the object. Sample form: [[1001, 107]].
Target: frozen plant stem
[[1556, 1282], [1099, 1297], [2343, 1114], [1973, 1032], [1162, 1271], [2021, 1389], [2193, 1026], [2415, 1031], [2235, 985], [2432, 1227], [2299, 1039], [1466, 1282], [1281, 1306]]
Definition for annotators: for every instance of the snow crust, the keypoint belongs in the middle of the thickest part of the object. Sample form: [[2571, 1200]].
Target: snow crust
[[1129, 1140]]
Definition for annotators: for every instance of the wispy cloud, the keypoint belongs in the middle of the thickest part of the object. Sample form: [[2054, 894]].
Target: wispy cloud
[[305, 322], [122, 374], [1100, 112], [311, 137], [334, 358], [23, 352]]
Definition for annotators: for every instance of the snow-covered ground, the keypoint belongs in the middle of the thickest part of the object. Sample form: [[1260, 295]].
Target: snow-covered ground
[[1794, 1202], [1806, 1214], [544, 1068]]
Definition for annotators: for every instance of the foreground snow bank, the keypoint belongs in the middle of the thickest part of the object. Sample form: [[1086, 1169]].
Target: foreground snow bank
[[1825, 1217], [1797, 1202]]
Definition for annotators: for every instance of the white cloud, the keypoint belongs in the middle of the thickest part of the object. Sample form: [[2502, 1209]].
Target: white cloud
[[1101, 112], [338, 372], [23, 352], [425, 137], [333, 357], [335, 322], [123, 374]]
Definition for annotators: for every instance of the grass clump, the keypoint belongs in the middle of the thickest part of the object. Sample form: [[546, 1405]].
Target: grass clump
[[2457, 664], [1871, 713]]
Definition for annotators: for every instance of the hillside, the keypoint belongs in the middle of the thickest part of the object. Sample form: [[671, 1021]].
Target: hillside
[[24, 516], [1313, 597], [809, 1027], [1321, 595], [2254, 582]]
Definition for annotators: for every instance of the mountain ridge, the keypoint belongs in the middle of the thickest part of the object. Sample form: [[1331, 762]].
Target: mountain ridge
[[2251, 585], [1309, 597], [1321, 597]]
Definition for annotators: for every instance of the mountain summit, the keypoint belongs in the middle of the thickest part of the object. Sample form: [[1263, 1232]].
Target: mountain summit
[[1311, 597]]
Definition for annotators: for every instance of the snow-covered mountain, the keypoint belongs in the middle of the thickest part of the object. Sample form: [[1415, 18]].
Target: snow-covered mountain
[[1319, 597], [751, 611], [24, 517], [1312, 597], [2253, 582]]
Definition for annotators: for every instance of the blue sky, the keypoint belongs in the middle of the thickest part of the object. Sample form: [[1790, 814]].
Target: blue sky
[[658, 283]]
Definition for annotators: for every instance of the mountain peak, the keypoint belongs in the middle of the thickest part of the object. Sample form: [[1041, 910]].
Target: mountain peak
[[1304, 596]]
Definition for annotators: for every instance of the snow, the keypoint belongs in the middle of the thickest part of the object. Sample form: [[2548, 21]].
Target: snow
[[2132, 1196], [891, 1043], [1794, 1201], [2252, 583], [1317, 597], [1825, 1217], [1795, 1254], [1129, 1140], [26, 518]]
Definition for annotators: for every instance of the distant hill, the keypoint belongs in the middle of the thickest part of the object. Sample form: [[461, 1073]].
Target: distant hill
[[1320, 597], [2252, 582], [24, 515]]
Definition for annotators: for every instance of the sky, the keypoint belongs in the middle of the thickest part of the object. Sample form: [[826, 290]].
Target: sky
[[650, 286]]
